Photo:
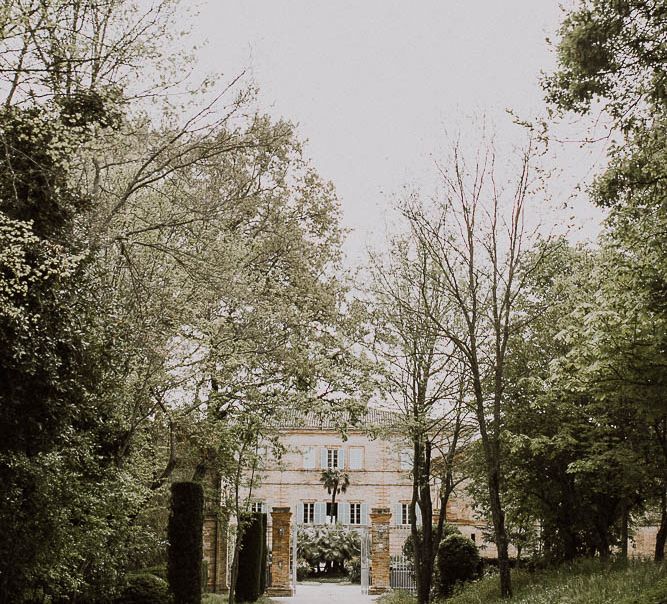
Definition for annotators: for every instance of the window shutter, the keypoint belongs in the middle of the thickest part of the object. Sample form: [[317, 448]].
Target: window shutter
[[341, 459], [320, 511], [309, 458], [355, 458], [299, 512], [344, 513], [396, 514], [323, 458], [365, 518]]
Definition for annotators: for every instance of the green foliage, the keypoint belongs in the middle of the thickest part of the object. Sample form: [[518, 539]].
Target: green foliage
[[185, 542], [458, 562], [408, 547], [249, 580], [265, 553], [144, 588], [586, 582], [612, 51], [327, 548]]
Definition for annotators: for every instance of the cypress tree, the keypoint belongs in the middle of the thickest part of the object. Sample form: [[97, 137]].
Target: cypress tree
[[265, 554], [186, 523], [248, 581]]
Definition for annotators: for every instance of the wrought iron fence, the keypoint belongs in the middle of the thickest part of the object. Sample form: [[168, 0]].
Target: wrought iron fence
[[402, 574]]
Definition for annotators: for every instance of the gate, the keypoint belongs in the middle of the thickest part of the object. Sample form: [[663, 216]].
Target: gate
[[293, 557], [402, 574], [365, 559]]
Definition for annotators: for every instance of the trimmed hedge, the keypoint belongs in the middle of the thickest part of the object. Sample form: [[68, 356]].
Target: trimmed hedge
[[250, 560], [265, 555], [186, 521], [458, 562], [144, 588]]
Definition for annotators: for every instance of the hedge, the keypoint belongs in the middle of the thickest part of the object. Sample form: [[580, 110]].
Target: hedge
[[184, 569], [248, 582]]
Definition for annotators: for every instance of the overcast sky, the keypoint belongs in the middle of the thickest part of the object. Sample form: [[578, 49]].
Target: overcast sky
[[375, 85]]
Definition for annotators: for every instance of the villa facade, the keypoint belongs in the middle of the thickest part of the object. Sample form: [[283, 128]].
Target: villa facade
[[378, 470]]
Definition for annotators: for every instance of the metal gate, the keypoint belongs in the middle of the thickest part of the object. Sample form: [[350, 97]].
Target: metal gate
[[293, 557], [365, 559]]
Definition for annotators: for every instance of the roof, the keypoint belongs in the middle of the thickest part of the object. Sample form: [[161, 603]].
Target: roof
[[368, 419]]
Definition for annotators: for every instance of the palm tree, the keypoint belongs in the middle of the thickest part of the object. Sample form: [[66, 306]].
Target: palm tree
[[335, 482]]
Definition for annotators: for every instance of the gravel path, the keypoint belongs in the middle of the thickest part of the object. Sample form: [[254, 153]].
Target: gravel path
[[329, 593]]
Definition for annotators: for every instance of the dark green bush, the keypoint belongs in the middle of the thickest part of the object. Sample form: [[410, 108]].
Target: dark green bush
[[408, 548], [144, 588], [265, 555], [353, 568], [186, 521], [250, 561], [458, 562]]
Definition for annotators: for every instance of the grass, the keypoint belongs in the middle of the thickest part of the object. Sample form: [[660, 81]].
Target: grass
[[586, 582]]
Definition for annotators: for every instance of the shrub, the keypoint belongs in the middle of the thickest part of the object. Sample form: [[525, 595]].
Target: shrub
[[408, 547], [250, 560], [329, 547], [302, 569], [265, 555], [353, 568], [185, 542], [458, 562], [144, 588]]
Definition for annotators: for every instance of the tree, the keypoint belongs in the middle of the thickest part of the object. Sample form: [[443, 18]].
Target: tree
[[612, 54], [335, 482], [477, 242], [575, 444], [188, 254], [185, 541], [422, 378]]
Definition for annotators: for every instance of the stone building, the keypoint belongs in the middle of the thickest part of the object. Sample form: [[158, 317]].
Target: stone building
[[378, 468]]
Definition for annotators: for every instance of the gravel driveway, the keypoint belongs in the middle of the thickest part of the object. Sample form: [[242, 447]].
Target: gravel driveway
[[326, 593]]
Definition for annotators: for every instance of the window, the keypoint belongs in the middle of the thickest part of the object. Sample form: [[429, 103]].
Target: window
[[332, 458], [332, 513], [257, 506], [472, 537], [309, 458], [405, 517], [355, 513], [356, 458], [405, 459], [308, 512]]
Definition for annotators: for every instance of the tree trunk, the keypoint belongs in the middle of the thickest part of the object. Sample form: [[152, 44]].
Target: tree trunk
[[661, 537], [625, 521], [502, 542]]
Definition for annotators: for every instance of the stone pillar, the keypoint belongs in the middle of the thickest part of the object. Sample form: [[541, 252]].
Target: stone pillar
[[380, 558], [215, 552], [281, 551]]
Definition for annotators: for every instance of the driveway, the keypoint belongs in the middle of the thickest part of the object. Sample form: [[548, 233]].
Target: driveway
[[326, 593]]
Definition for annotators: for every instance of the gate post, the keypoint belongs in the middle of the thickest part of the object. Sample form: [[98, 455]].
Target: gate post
[[281, 532], [215, 551], [380, 558]]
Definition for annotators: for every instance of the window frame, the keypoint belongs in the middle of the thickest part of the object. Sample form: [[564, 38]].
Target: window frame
[[308, 512], [333, 458], [355, 505]]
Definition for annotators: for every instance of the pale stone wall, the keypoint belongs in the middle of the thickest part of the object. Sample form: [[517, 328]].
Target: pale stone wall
[[380, 483], [642, 543]]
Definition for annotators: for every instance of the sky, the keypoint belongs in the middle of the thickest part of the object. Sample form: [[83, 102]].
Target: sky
[[379, 87]]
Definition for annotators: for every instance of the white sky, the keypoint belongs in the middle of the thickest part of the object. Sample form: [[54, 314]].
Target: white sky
[[374, 85]]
